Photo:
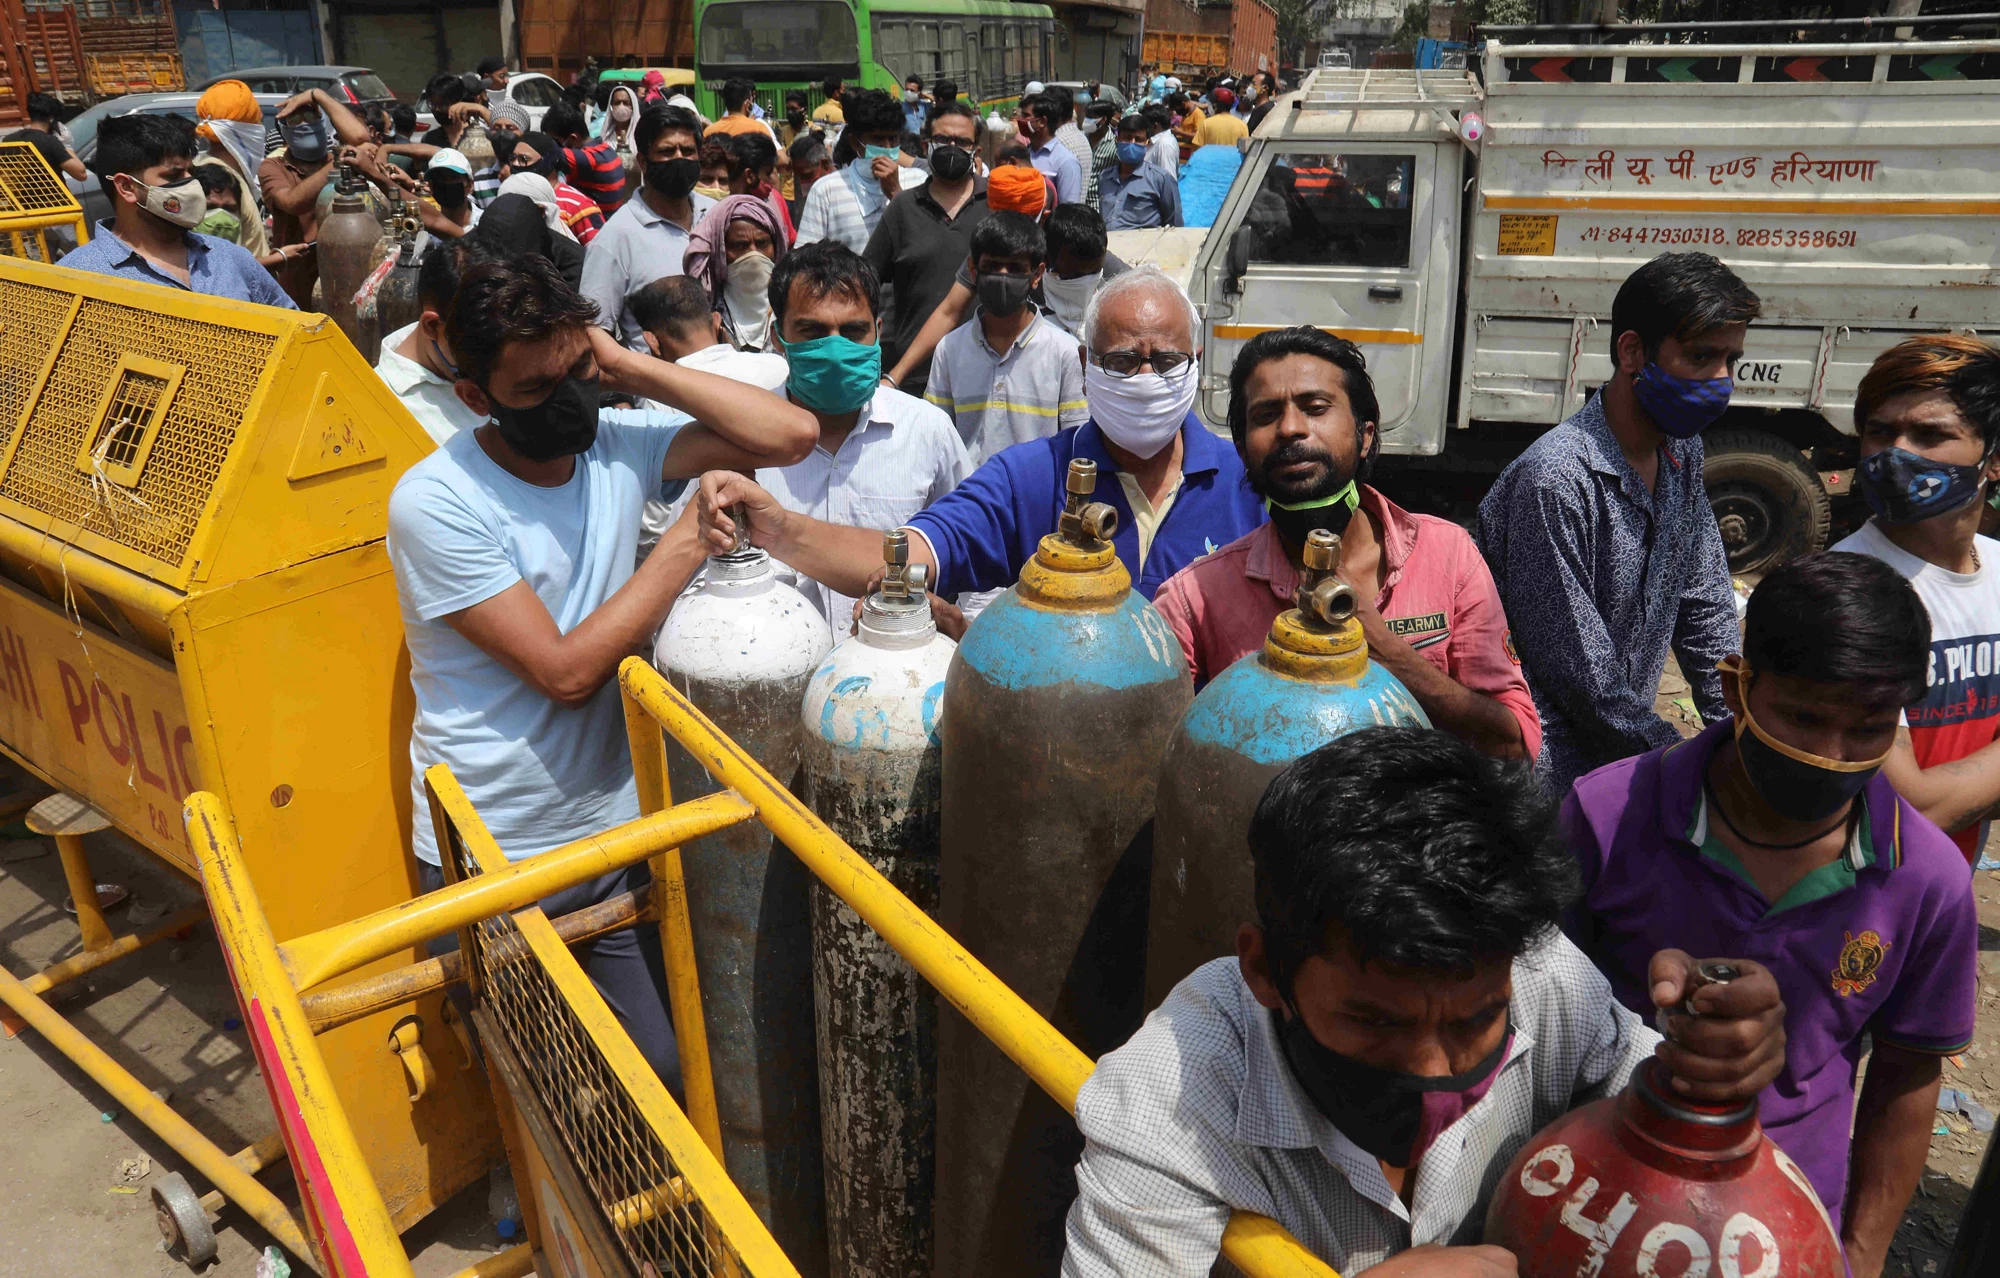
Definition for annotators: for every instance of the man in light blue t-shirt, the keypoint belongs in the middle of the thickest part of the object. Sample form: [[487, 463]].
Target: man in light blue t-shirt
[[514, 548]]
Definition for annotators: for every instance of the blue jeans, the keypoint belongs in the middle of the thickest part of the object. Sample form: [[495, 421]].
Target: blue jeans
[[625, 966]]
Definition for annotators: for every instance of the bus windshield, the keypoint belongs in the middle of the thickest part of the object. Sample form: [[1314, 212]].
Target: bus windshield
[[788, 33]]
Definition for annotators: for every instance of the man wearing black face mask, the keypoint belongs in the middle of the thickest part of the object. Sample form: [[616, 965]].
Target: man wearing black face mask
[[1928, 414], [1007, 375], [924, 236], [1778, 832], [648, 236], [1303, 413], [293, 178], [1403, 1007], [514, 547]]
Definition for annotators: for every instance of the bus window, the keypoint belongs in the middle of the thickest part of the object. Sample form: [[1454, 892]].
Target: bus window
[[992, 72], [924, 51], [951, 54], [1334, 210], [1017, 59], [892, 46], [789, 33]]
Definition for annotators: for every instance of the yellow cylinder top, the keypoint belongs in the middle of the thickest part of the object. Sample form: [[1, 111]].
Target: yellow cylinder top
[[1301, 649], [1076, 567]]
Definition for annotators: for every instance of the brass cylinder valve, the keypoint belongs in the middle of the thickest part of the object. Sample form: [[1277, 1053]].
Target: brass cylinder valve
[[902, 581], [1084, 522], [1322, 598]]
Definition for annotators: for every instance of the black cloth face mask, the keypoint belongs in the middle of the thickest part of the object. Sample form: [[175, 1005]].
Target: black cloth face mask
[[1004, 295], [562, 425], [1798, 785], [1380, 1110], [952, 163], [673, 178]]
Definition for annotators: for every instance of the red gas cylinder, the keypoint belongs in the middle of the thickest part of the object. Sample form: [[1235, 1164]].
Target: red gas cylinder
[[1651, 1185]]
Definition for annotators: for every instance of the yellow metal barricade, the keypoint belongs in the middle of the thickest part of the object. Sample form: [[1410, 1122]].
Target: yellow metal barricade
[[195, 594], [618, 1179], [33, 199]]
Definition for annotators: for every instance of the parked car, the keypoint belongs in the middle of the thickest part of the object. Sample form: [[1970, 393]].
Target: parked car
[[83, 128], [531, 90], [358, 87]]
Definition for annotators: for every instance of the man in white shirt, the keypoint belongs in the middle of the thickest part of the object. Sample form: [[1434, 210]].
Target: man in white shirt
[[416, 360], [881, 455], [846, 205], [513, 551], [647, 237], [1928, 415], [1397, 1021]]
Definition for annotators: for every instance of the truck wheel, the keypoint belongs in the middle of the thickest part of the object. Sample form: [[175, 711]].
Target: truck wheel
[[1767, 499]]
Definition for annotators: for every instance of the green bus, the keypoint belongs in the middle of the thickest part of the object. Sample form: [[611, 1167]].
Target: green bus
[[991, 48]]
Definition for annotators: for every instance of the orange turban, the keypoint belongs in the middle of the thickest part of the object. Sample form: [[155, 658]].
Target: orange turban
[[229, 100], [1014, 189]]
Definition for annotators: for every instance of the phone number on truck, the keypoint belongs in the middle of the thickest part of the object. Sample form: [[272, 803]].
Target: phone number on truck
[[1745, 237]]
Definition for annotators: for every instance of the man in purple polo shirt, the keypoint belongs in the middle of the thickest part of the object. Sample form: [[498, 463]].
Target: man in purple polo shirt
[[1773, 836]]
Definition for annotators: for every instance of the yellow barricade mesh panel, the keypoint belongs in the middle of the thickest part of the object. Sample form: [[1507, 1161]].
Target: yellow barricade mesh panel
[[28, 186], [156, 517], [639, 1191], [32, 317]]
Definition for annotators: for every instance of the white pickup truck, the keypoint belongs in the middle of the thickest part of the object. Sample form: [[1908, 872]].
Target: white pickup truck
[[1470, 230]]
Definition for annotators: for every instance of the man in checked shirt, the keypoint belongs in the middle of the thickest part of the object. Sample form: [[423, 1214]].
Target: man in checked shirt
[[1400, 1018]]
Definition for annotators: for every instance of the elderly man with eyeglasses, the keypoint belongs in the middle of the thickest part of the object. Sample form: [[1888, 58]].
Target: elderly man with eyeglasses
[[1180, 492]]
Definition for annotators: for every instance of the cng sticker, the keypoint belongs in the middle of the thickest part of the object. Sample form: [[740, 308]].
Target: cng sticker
[[1527, 235]]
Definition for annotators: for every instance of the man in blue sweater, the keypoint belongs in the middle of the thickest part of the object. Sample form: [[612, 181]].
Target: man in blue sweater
[[1180, 491]]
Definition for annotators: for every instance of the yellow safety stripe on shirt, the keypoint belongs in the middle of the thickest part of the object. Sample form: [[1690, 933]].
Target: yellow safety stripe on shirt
[[1007, 405]]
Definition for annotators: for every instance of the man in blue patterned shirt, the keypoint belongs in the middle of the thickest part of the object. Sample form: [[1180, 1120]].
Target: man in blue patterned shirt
[[1600, 535]]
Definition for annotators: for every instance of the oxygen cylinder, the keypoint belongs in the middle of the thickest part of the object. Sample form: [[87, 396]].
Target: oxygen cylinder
[[1057, 710], [396, 302], [741, 646], [870, 763], [1649, 1182], [1312, 682], [476, 145], [348, 236]]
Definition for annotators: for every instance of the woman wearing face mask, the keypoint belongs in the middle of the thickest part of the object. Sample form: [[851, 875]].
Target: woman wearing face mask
[[1777, 832], [1928, 414], [732, 251], [620, 119]]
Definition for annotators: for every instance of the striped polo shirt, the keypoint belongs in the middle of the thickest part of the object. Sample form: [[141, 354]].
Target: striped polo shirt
[[1031, 390], [598, 171]]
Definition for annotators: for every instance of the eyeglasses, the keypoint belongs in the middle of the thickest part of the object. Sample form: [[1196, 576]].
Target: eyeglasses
[[1128, 363]]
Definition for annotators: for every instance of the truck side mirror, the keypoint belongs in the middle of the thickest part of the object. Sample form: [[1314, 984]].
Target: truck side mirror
[[1241, 245]]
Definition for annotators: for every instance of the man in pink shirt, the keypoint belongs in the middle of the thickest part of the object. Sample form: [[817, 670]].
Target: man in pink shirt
[[1302, 411]]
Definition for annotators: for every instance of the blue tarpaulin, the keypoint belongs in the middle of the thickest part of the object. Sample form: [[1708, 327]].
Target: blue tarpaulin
[[1205, 180]]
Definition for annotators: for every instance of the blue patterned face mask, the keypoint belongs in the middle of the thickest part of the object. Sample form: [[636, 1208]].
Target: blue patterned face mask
[[1681, 406], [1903, 488]]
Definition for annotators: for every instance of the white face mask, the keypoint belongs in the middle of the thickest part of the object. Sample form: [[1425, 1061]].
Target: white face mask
[[182, 204], [1067, 298], [621, 113], [746, 289], [1141, 413]]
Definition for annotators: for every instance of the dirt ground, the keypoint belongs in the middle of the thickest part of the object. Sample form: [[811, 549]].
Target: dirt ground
[[164, 1014]]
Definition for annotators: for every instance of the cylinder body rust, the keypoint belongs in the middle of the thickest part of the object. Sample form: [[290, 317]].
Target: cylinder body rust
[[741, 646], [348, 236], [1649, 1182], [1057, 709], [1312, 682], [870, 770]]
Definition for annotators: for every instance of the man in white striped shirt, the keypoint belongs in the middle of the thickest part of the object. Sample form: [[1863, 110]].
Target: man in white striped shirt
[[846, 205], [1400, 1018]]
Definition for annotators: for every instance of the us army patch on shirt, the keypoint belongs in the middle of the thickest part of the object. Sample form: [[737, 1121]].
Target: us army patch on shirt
[[1421, 631]]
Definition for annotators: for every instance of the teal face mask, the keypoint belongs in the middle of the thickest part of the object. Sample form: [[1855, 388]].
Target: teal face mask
[[833, 375], [880, 152]]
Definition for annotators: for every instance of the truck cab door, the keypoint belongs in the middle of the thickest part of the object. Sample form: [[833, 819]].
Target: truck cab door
[[1340, 236]]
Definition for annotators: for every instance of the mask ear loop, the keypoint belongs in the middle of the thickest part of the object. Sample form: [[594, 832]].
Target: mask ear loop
[[1734, 665]]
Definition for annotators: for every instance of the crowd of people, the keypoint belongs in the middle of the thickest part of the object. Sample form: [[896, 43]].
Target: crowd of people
[[641, 329]]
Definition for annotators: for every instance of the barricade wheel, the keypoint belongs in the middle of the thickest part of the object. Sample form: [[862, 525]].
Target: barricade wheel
[[182, 1221]]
